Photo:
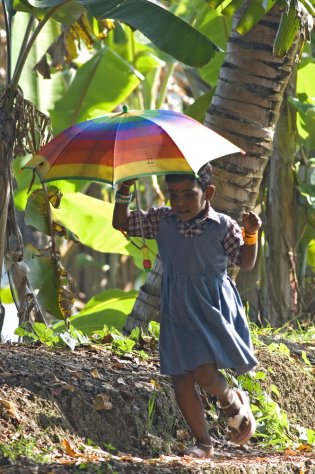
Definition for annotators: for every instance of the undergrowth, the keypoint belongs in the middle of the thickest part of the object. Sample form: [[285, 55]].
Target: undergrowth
[[273, 427]]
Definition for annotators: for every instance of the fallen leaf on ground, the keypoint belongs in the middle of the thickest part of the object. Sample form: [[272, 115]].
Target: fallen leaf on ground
[[10, 408], [69, 449], [103, 402]]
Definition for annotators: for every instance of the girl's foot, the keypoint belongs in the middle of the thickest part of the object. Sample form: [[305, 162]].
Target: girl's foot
[[200, 451], [241, 421]]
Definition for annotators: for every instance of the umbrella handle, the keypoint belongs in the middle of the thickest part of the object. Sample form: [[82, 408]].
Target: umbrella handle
[[139, 213], [145, 251]]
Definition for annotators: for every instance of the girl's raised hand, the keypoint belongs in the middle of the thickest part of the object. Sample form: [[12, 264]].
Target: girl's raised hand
[[128, 183], [251, 222]]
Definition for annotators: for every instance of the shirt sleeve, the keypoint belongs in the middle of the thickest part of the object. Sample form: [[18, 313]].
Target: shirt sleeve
[[149, 222], [232, 242]]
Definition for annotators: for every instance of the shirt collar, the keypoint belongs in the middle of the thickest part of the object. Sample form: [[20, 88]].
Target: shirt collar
[[210, 214]]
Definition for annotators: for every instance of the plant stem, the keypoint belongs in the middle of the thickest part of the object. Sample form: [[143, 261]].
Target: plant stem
[[164, 85], [23, 56], [25, 40], [7, 20]]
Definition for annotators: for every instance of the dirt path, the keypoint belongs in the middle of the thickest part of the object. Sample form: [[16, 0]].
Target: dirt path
[[87, 411]]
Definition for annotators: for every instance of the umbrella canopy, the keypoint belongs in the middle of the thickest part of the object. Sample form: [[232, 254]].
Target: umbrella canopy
[[131, 144]]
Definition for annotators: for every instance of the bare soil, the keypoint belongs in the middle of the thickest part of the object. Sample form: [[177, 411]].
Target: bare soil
[[88, 411]]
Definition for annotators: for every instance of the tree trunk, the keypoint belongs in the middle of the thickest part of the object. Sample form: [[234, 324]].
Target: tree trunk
[[7, 137], [280, 288], [245, 109]]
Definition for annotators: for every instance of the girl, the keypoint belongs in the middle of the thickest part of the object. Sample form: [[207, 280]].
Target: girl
[[203, 325]]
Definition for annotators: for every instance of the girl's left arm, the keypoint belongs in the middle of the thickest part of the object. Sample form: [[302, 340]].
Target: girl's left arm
[[248, 251]]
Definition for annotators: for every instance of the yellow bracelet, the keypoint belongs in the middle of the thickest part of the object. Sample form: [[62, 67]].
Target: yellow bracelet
[[250, 239]]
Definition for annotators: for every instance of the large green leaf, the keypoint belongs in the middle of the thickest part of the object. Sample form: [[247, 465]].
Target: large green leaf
[[168, 32], [217, 28], [67, 13], [311, 255], [6, 295], [305, 104], [198, 109], [23, 179], [103, 82], [43, 278], [93, 225], [109, 308], [145, 59], [256, 10], [41, 92]]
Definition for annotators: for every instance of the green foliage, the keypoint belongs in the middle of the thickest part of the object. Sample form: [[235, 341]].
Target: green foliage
[[83, 94], [168, 32], [154, 329], [43, 278], [288, 28], [93, 226], [37, 332], [117, 342], [6, 295], [41, 333], [273, 428], [110, 308], [24, 447]]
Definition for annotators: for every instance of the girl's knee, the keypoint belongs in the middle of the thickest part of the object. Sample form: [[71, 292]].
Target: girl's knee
[[207, 377]]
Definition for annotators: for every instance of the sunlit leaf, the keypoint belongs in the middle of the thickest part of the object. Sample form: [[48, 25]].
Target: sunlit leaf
[[6, 295], [288, 28], [198, 109], [168, 32], [93, 226], [252, 15], [109, 308], [43, 278], [84, 95]]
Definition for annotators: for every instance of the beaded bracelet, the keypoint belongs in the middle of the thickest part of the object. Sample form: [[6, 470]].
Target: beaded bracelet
[[121, 199], [250, 239]]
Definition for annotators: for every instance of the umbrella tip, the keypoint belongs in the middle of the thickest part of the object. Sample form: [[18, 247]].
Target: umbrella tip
[[125, 109]]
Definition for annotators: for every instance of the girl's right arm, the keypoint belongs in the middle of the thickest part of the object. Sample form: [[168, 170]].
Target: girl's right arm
[[121, 209]]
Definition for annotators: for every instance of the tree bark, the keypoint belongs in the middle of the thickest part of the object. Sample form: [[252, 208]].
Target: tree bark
[[280, 286], [245, 109]]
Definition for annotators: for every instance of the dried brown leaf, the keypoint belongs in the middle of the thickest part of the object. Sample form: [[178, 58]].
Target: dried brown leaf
[[95, 373], [103, 402]]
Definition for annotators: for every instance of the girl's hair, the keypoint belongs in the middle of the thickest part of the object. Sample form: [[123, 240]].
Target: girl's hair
[[203, 177]]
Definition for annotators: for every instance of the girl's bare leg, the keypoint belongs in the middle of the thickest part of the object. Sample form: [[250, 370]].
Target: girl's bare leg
[[191, 407], [212, 381]]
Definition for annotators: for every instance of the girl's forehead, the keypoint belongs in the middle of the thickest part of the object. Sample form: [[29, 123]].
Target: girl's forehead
[[184, 185]]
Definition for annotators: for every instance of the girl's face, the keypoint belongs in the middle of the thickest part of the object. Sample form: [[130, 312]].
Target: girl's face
[[187, 198]]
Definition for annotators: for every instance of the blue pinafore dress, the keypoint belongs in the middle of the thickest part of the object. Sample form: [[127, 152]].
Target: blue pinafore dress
[[202, 316]]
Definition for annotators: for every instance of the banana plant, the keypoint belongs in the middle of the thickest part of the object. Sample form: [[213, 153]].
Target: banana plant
[[296, 15], [24, 129]]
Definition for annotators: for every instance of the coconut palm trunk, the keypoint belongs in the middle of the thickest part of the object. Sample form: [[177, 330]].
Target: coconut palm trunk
[[244, 109]]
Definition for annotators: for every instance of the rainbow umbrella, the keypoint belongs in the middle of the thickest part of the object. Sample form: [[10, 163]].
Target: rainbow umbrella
[[131, 144]]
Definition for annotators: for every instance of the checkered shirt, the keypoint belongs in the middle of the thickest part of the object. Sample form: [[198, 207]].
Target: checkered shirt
[[232, 240]]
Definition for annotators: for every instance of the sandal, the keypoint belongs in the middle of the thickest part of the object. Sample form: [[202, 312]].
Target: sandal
[[200, 451], [234, 422]]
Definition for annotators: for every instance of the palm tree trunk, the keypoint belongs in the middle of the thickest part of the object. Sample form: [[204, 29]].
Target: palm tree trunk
[[245, 109]]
